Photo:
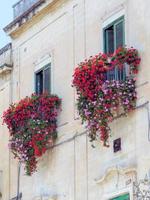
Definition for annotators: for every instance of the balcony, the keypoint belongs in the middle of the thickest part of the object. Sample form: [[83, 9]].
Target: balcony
[[6, 59], [22, 6]]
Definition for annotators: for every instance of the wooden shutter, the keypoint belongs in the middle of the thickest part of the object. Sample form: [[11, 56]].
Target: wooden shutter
[[119, 33], [114, 35], [113, 38], [47, 79]]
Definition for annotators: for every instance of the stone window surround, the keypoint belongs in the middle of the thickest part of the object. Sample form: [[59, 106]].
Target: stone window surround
[[111, 17], [40, 63]]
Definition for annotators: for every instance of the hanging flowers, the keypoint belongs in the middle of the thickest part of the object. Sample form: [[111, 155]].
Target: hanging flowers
[[99, 98], [32, 124]]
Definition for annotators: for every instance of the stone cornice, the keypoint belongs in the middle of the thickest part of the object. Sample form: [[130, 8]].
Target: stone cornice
[[5, 48], [24, 17], [5, 68], [27, 19]]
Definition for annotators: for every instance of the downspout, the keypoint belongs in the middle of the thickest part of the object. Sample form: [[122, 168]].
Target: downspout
[[19, 164], [87, 152], [18, 181]]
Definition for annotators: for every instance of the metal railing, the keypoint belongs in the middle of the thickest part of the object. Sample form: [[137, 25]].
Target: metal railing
[[118, 74], [22, 6]]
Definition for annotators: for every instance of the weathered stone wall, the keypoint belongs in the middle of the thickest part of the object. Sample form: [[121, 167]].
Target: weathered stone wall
[[70, 32]]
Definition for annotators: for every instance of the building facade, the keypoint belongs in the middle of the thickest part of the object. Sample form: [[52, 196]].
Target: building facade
[[49, 38]]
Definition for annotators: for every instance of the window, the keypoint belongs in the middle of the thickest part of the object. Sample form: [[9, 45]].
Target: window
[[43, 80], [122, 197], [113, 38], [114, 35]]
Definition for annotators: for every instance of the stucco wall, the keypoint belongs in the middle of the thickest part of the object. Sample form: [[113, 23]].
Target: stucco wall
[[5, 99], [4, 137], [70, 33]]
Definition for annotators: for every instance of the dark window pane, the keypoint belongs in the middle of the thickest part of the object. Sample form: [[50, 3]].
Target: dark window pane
[[109, 39], [39, 82], [119, 34], [47, 80]]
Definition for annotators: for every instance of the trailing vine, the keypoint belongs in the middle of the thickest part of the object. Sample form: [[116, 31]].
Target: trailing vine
[[100, 99], [32, 124]]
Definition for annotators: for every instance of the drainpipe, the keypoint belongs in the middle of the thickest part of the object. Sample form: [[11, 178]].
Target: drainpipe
[[18, 181]]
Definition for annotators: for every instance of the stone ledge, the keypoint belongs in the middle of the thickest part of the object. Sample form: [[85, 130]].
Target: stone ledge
[[24, 17], [5, 68]]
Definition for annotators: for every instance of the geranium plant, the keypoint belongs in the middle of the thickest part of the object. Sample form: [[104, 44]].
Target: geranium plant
[[32, 124], [100, 99]]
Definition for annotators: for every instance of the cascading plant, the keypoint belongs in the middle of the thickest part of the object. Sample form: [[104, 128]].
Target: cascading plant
[[32, 125], [99, 99]]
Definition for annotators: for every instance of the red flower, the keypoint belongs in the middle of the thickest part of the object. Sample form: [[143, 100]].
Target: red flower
[[99, 99], [32, 123]]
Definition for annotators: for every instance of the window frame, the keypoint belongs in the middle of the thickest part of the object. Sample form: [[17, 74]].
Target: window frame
[[127, 190], [48, 65], [117, 75], [113, 23], [121, 195]]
